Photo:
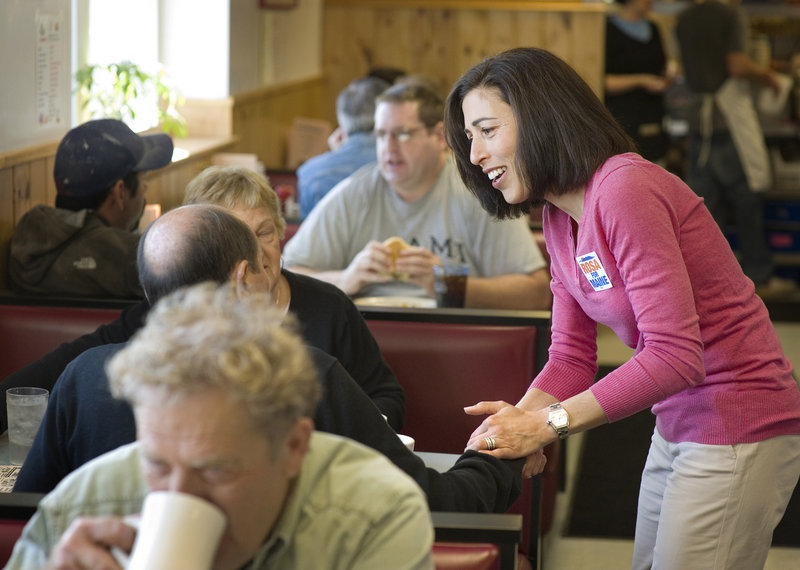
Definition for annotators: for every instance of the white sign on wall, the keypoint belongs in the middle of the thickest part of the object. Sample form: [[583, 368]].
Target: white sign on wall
[[50, 70]]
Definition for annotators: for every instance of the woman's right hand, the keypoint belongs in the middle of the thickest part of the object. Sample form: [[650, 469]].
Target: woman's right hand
[[509, 432]]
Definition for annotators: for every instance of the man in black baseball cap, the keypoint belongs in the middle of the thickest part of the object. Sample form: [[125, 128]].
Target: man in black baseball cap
[[86, 245]]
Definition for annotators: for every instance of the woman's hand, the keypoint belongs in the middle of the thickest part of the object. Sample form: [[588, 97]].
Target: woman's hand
[[510, 432]]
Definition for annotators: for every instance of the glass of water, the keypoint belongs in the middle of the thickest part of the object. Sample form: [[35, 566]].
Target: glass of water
[[26, 407]]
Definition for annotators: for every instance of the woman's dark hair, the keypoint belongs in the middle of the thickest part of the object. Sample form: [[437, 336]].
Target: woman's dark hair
[[93, 201], [564, 131]]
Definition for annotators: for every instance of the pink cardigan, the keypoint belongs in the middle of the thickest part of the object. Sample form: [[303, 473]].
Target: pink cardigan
[[648, 260]]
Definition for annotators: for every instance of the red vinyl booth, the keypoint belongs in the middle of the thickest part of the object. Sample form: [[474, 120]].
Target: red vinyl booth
[[29, 331], [446, 359]]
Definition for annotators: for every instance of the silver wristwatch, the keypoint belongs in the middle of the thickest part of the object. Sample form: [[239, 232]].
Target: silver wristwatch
[[558, 419]]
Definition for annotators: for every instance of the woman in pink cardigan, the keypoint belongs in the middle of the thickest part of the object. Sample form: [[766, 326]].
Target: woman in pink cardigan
[[633, 248]]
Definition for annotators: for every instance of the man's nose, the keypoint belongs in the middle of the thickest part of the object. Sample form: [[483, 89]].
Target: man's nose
[[186, 482]]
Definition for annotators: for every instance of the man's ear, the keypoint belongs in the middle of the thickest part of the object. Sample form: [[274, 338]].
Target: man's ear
[[117, 195], [239, 278], [438, 130], [295, 445]]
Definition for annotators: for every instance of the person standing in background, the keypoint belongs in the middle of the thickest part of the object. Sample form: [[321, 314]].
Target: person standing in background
[[636, 77], [728, 163], [352, 143]]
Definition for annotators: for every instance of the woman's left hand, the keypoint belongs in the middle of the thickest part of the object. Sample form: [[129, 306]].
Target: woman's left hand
[[508, 433]]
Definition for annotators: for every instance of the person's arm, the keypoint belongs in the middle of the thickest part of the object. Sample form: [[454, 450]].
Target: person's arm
[[661, 298], [44, 372], [85, 544], [523, 429], [88, 541], [511, 272], [740, 65], [530, 291], [616, 84], [403, 538], [476, 483], [359, 353], [370, 265]]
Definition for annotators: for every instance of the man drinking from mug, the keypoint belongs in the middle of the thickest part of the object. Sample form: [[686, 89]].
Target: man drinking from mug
[[223, 395]]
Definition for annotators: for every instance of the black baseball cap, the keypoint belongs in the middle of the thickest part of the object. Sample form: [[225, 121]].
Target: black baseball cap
[[94, 155]]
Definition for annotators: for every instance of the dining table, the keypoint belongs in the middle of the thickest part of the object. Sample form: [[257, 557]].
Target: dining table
[[8, 472]]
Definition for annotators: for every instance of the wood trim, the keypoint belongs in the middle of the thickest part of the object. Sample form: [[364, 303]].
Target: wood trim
[[258, 94], [513, 5], [27, 154]]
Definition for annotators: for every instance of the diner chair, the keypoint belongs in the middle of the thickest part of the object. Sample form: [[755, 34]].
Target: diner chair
[[446, 359], [15, 511]]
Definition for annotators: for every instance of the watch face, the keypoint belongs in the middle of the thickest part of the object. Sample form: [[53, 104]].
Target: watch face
[[559, 418]]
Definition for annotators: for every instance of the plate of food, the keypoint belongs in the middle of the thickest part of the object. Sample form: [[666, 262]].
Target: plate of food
[[413, 302]]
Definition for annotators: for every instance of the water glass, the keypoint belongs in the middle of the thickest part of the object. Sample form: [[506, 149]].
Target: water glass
[[26, 407]]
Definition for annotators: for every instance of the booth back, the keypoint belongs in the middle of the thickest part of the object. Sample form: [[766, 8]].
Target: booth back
[[15, 510], [444, 367], [29, 331], [446, 359]]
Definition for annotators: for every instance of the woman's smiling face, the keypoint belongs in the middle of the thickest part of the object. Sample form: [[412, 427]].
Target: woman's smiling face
[[490, 126]]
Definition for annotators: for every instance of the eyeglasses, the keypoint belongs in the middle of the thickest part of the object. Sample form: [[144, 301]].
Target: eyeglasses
[[400, 135]]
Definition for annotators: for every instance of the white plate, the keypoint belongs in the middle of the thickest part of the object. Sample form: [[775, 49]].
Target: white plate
[[415, 302]]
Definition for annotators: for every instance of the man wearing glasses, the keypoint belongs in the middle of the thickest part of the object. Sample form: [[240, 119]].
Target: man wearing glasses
[[414, 192]]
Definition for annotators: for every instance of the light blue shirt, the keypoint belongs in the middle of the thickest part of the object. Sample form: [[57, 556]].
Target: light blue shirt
[[317, 175]]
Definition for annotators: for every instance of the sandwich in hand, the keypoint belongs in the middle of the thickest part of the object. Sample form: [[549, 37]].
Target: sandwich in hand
[[396, 245]]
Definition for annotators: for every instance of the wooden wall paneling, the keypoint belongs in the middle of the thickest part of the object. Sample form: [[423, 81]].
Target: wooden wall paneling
[[39, 176], [208, 118], [587, 59], [444, 42], [504, 30], [261, 121], [7, 221], [21, 181], [50, 182]]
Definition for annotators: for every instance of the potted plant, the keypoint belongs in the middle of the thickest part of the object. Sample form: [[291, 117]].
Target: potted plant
[[125, 91]]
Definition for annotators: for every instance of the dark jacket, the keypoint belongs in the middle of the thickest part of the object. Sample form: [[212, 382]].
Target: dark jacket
[[60, 252], [84, 421]]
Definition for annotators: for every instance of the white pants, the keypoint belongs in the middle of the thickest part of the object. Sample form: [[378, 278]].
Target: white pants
[[710, 507]]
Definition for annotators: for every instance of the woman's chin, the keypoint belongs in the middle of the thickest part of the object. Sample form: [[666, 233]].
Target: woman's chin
[[513, 196]]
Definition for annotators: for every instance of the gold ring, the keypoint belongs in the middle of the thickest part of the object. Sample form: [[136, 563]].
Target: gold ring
[[490, 444]]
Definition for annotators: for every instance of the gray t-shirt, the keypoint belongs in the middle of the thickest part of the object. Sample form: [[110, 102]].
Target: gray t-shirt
[[448, 220]]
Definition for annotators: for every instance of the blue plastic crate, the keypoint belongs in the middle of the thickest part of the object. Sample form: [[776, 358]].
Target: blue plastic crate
[[782, 211]]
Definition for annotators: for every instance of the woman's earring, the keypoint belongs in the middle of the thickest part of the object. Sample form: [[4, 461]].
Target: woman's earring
[[283, 262]]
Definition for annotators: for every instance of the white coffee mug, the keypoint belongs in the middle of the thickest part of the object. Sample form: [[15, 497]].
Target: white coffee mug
[[176, 531]]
